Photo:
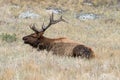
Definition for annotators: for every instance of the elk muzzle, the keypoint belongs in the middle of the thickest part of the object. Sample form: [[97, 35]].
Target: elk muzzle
[[25, 39]]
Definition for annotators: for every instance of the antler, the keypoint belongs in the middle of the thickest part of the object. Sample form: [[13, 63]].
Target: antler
[[52, 21], [34, 28]]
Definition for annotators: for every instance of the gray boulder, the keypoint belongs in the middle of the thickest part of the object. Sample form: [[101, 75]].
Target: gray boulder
[[28, 14], [87, 16], [54, 10]]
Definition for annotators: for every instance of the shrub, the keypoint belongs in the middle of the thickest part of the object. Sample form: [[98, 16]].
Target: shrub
[[8, 37]]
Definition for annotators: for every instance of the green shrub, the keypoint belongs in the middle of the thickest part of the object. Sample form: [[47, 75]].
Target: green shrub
[[8, 37]]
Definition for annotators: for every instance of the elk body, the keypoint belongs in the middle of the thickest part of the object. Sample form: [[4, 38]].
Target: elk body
[[59, 46]]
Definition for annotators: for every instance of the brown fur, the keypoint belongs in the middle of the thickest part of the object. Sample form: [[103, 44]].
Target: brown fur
[[59, 46]]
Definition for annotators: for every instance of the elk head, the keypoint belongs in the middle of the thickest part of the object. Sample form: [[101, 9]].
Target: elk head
[[37, 37]]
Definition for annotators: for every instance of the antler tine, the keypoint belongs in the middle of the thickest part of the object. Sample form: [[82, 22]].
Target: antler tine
[[43, 27], [61, 18], [51, 17], [33, 28], [50, 23]]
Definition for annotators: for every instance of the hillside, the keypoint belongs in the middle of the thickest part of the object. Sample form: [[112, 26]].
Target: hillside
[[95, 24]]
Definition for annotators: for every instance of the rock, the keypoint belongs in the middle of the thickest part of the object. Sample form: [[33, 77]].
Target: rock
[[54, 10], [28, 14], [87, 16], [87, 2]]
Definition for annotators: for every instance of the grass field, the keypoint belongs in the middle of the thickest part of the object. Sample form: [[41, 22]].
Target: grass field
[[21, 62]]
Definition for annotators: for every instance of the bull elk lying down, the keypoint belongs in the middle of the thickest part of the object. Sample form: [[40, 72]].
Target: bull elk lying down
[[59, 46]]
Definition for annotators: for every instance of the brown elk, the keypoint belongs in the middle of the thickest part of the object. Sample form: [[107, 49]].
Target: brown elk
[[59, 46]]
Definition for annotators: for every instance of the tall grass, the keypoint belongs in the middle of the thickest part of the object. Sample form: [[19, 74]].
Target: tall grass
[[22, 62]]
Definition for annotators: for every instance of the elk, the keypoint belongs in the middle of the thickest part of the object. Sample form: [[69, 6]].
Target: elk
[[59, 46]]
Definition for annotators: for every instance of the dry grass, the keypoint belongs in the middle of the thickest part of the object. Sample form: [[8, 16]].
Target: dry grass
[[21, 62]]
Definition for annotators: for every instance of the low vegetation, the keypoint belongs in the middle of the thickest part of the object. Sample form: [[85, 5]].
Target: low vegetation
[[21, 62], [8, 38]]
